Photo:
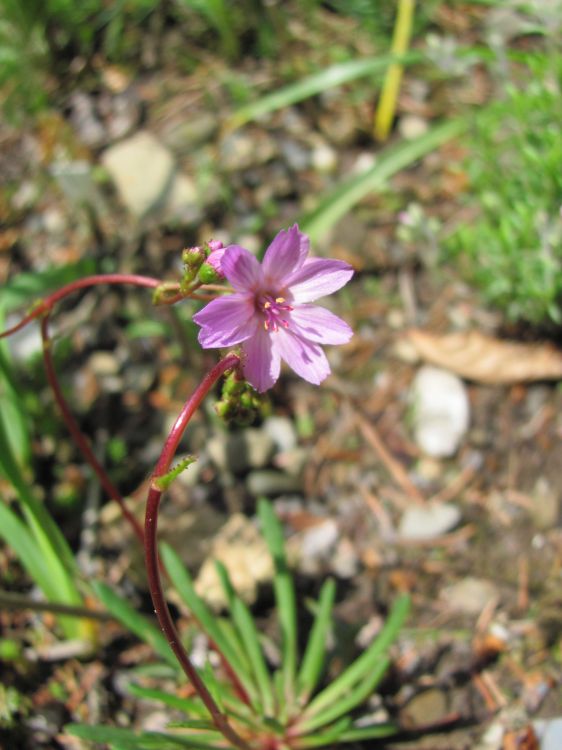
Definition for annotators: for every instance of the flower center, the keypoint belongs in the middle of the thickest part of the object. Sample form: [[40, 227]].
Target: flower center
[[274, 311]]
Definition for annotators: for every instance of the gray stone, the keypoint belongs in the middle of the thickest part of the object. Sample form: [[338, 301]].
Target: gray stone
[[191, 132], [183, 201], [241, 450], [241, 150], [470, 595], [428, 522], [143, 171], [270, 483], [281, 431], [549, 732], [441, 411]]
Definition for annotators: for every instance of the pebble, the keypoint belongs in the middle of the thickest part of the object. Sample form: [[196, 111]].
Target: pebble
[[428, 522], [549, 732], [324, 158], [142, 169], [412, 127], [281, 431], [241, 150], [241, 450], [470, 595], [270, 483], [425, 708], [545, 510], [441, 411]]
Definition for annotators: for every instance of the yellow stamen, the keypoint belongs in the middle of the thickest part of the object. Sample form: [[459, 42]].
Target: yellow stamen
[[266, 305], [280, 300]]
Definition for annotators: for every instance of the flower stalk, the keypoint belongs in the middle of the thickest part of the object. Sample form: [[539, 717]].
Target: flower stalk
[[230, 362]]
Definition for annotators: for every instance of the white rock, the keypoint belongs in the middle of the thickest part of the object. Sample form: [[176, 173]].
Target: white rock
[[183, 202], [281, 431], [428, 522], [143, 171], [549, 732], [441, 411], [470, 595]]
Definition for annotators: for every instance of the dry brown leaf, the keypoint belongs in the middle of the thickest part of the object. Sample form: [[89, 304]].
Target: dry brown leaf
[[488, 360]]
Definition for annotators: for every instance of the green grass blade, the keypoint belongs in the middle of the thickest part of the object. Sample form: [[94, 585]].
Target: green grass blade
[[364, 664], [377, 731], [250, 638], [127, 738], [207, 620], [188, 705], [284, 594], [347, 703], [390, 161], [328, 736], [335, 75], [315, 652], [135, 622]]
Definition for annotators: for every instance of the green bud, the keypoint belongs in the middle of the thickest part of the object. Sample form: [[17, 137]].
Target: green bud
[[208, 275]]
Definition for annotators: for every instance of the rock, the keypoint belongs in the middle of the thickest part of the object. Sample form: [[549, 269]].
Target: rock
[[428, 522], [143, 170], [244, 553], [549, 732], [191, 132], [271, 483], [241, 450], [412, 127], [241, 150], [441, 411], [470, 595], [345, 561], [281, 431], [296, 155], [85, 120], [425, 708], [545, 511], [77, 183], [183, 201], [324, 158]]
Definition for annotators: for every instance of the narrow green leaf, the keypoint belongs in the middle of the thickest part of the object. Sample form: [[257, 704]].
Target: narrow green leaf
[[284, 594], [364, 664], [315, 652], [375, 732], [348, 702], [326, 737], [248, 632], [187, 705], [127, 738], [135, 622], [335, 75], [390, 161], [184, 585]]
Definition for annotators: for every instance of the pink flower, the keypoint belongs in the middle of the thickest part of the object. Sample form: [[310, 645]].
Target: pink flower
[[269, 313], [215, 257]]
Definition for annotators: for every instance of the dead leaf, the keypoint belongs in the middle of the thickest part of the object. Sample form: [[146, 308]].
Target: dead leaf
[[488, 360]]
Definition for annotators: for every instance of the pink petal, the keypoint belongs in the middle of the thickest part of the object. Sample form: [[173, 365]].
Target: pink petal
[[306, 359], [320, 325], [285, 255], [261, 363], [226, 321], [317, 278], [241, 269]]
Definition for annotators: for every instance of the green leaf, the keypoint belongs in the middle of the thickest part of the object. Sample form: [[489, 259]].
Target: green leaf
[[250, 638], [207, 620], [348, 702], [364, 665], [315, 652], [390, 161], [284, 594], [187, 705], [335, 75], [135, 622], [127, 738], [377, 731]]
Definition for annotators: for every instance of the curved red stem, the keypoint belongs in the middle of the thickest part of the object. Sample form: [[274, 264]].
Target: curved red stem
[[151, 550]]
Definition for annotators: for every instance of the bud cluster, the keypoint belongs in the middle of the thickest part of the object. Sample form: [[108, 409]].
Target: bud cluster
[[240, 404], [202, 264]]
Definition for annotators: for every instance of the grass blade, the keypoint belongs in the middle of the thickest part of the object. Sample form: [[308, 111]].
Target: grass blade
[[347, 703], [315, 652], [364, 664], [284, 594], [135, 622], [335, 75], [207, 620], [250, 639], [187, 705], [127, 738], [390, 161]]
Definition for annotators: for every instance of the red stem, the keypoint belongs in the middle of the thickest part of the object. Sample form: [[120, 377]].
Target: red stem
[[46, 305], [78, 436], [151, 549]]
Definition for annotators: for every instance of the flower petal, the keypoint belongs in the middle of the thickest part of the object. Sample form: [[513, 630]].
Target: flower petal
[[305, 358], [241, 269], [317, 278], [226, 321], [285, 255], [319, 325], [262, 362]]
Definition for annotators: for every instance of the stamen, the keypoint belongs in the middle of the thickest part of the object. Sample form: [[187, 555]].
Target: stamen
[[280, 300]]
